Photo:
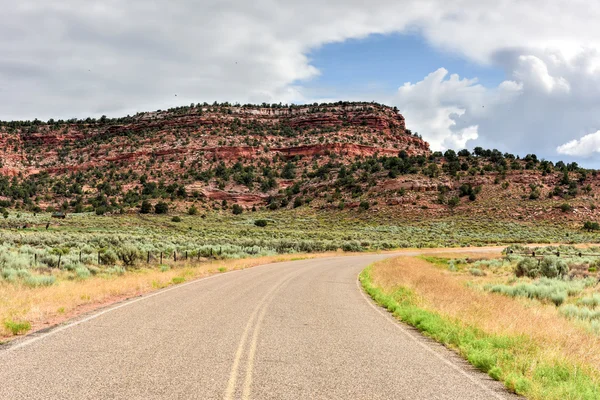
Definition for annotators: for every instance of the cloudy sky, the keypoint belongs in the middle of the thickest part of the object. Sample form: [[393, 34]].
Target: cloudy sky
[[519, 76]]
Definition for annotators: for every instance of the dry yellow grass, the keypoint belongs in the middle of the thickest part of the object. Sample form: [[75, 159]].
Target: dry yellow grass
[[50, 305], [448, 294]]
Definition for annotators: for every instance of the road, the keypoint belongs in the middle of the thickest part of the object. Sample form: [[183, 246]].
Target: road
[[294, 330]]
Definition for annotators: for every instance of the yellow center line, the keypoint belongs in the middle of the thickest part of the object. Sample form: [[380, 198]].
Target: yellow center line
[[230, 391], [251, 355]]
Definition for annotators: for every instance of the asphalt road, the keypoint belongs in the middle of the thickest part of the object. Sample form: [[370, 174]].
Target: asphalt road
[[296, 330]]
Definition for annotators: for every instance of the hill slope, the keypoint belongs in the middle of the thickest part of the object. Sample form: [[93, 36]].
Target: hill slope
[[326, 155]]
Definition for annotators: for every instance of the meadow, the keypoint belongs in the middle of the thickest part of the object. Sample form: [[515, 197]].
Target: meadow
[[132, 253], [537, 331]]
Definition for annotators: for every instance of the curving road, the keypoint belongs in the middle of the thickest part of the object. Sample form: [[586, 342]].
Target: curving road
[[296, 330]]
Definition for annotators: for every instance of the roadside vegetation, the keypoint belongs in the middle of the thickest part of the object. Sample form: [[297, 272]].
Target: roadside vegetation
[[535, 331], [43, 256]]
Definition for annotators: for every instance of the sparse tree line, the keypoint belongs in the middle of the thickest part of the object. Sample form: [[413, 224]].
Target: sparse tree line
[[336, 178]]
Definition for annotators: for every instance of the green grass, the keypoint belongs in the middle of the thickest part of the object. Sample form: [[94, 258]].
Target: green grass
[[222, 269], [17, 328], [178, 279], [514, 360]]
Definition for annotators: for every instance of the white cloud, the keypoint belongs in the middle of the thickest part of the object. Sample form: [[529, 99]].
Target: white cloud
[[549, 101], [583, 147], [65, 59], [434, 105]]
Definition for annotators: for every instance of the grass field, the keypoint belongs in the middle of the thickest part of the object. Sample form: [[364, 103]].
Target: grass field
[[51, 268], [529, 342]]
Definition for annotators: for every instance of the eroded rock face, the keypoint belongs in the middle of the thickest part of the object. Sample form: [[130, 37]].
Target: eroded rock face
[[220, 133]]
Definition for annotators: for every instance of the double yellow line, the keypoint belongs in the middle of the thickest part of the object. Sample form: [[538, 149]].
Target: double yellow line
[[258, 314]]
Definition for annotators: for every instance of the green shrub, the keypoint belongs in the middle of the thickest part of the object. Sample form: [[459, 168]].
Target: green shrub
[[116, 270], [237, 209], [146, 207], [553, 290], [592, 301], [364, 205], [583, 313], [129, 255], [566, 207], [553, 267], [558, 298], [108, 256], [261, 223], [82, 272], [178, 279], [39, 281], [528, 267], [17, 328], [176, 219], [476, 272], [192, 210], [161, 208]]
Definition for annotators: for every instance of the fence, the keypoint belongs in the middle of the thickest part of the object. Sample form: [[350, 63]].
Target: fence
[[162, 256]]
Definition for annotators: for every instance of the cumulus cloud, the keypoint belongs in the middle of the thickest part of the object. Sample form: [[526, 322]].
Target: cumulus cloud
[[72, 59], [584, 147], [549, 100], [434, 105]]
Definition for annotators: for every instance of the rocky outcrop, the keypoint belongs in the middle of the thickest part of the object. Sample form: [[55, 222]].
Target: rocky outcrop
[[227, 133]]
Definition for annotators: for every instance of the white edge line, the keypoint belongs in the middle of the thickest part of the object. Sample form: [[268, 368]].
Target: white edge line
[[398, 325]]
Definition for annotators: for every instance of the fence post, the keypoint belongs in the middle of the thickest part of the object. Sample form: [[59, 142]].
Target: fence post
[[148, 262], [59, 257], [186, 255], [98, 258], [175, 255], [161, 257], [79, 255], [35, 259]]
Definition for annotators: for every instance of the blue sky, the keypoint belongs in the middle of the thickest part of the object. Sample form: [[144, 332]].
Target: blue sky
[[382, 63]]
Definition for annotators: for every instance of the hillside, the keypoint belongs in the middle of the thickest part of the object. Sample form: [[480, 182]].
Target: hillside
[[339, 155]]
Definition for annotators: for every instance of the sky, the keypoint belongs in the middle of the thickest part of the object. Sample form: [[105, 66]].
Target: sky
[[522, 77]]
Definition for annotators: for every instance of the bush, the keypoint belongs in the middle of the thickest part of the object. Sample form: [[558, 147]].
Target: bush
[[364, 205], [453, 202], [261, 223], [552, 267], [16, 328], [82, 272], [161, 208], [116, 270], [558, 298], [100, 210], [192, 210], [129, 255], [39, 281], [566, 207], [237, 209], [298, 202], [476, 272], [527, 267], [554, 290], [591, 226], [592, 301], [146, 207], [176, 219], [108, 256]]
